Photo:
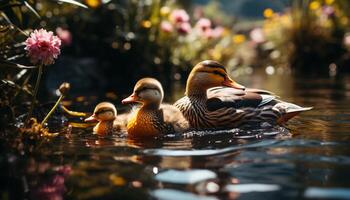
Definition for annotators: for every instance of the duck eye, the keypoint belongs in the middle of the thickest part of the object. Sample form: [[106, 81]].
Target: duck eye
[[219, 73]]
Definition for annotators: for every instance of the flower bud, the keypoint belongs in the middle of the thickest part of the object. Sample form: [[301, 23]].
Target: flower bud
[[64, 88]]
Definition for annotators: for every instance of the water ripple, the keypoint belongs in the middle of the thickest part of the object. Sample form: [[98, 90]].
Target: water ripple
[[263, 143], [254, 187], [185, 177], [171, 194], [327, 193], [207, 152]]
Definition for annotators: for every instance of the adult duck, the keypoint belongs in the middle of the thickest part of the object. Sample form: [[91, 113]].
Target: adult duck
[[153, 118], [214, 100], [109, 122]]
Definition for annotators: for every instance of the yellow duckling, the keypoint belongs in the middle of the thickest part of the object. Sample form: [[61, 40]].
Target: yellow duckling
[[214, 100], [105, 114], [153, 118]]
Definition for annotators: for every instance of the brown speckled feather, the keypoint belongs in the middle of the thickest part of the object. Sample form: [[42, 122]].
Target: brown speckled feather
[[220, 97]]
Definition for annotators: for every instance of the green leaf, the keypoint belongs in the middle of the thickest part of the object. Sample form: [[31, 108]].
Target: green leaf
[[18, 13], [5, 63], [9, 5], [31, 9], [7, 19], [73, 2]]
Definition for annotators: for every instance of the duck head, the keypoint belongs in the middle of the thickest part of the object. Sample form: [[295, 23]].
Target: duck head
[[208, 74], [104, 111], [147, 91]]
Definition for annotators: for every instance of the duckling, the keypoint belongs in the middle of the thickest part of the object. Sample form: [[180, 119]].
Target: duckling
[[153, 118], [213, 100], [109, 122]]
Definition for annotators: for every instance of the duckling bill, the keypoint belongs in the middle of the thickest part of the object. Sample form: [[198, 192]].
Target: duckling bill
[[153, 118]]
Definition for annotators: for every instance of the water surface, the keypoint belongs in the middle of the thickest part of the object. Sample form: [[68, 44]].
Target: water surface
[[309, 159]]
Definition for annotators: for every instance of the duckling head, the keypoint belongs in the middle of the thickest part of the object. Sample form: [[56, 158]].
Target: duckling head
[[208, 74], [104, 111], [148, 92]]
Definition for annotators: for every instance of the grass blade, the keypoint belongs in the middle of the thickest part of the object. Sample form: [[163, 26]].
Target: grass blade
[[5, 63], [31, 9], [73, 2]]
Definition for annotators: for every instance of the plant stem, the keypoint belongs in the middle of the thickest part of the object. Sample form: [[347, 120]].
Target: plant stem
[[40, 71], [52, 110]]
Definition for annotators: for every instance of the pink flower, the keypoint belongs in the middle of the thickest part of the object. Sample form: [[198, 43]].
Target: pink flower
[[179, 16], [166, 26], [64, 35], [217, 32], [42, 47], [204, 29], [184, 28], [328, 11], [257, 35], [203, 24]]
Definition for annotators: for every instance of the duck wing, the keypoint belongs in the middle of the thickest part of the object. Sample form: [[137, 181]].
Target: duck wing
[[259, 91], [221, 97], [174, 117]]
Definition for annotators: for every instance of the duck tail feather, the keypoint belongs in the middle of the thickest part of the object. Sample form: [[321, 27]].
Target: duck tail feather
[[289, 114], [298, 110]]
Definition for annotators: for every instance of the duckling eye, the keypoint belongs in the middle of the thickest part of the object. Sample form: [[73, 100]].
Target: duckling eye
[[156, 92], [140, 90], [143, 89], [103, 112]]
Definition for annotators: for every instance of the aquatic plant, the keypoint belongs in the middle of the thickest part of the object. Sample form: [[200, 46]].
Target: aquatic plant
[[309, 36], [17, 19], [35, 131], [64, 88], [164, 36], [184, 39], [42, 48]]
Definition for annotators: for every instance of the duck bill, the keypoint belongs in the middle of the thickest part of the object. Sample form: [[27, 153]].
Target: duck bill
[[131, 99], [233, 84], [92, 118]]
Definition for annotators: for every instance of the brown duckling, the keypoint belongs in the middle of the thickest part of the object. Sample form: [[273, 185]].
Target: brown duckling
[[153, 118], [105, 114]]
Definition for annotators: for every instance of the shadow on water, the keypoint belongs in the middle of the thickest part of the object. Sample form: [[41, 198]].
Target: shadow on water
[[309, 159]]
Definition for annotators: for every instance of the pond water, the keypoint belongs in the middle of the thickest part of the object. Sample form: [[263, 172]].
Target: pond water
[[309, 159]]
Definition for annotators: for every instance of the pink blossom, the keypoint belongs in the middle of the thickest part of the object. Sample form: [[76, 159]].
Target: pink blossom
[[184, 28], [42, 47], [257, 35], [64, 35], [217, 32], [328, 10], [203, 27], [166, 26], [203, 24], [179, 16]]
